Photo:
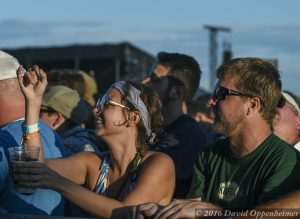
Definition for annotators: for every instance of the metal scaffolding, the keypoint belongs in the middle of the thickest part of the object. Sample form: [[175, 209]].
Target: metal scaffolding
[[213, 30]]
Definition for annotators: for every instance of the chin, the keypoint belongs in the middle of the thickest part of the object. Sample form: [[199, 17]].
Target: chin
[[221, 129]]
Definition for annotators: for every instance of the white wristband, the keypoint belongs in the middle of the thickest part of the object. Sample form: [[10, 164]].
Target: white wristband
[[28, 129]]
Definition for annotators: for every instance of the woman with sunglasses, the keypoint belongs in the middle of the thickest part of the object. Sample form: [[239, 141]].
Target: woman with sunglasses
[[127, 175]]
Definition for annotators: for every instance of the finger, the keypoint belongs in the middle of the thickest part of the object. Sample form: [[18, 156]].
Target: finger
[[186, 211], [170, 212], [20, 177], [137, 214], [146, 206], [150, 211], [29, 77], [141, 209], [32, 184], [20, 76], [43, 79], [23, 170], [34, 76], [27, 164], [179, 214], [165, 209], [26, 167], [43, 76], [36, 68], [174, 203]]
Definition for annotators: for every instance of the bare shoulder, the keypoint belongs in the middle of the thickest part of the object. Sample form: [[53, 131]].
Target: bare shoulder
[[157, 161], [91, 158], [153, 156], [86, 160], [89, 155], [84, 156]]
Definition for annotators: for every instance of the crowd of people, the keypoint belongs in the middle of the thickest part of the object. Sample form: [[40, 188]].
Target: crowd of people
[[147, 149]]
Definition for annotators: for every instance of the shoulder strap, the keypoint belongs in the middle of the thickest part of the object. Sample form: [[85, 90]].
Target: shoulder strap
[[101, 184]]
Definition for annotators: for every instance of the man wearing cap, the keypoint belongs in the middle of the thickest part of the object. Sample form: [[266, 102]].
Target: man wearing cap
[[64, 111], [286, 124], [12, 113]]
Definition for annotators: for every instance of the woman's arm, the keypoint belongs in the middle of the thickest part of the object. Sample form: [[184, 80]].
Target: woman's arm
[[33, 85], [156, 183]]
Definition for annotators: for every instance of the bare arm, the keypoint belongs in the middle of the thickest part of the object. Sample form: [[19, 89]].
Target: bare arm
[[155, 184], [33, 85]]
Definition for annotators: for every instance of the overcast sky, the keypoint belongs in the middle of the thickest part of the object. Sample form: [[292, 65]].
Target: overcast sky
[[260, 28]]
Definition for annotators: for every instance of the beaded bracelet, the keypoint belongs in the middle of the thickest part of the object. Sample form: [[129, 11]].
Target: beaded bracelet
[[27, 137]]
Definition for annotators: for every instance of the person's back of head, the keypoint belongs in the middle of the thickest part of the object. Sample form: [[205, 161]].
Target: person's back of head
[[294, 96], [11, 98], [66, 101], [90, 88], [257, 78], [184, 68], [286, 124], [66, 77]]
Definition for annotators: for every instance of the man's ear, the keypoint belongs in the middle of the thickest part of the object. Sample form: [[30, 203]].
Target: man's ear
[[254, 105], [176, 92], [59, 119], [298, 122]]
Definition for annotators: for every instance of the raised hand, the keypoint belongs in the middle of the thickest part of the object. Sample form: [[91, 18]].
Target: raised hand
[[33, 83]]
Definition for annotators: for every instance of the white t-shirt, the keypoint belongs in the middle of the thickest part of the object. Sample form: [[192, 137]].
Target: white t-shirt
[[297, 145]]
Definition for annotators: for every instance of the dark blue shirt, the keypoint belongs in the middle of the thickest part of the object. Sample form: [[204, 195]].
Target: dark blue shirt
[[182, 140]]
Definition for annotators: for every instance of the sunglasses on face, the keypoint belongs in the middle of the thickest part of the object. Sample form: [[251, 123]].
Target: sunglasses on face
[[220, 93], [281, 102], [105, 102]]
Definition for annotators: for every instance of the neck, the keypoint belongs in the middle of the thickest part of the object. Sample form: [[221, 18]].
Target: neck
[[249, 138], [122, 154], [12, 101], [294, 140], [11, 111]]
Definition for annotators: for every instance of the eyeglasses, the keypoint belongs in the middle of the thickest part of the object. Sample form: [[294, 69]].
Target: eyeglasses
[[105, 102], [220, 93], [282, 101]]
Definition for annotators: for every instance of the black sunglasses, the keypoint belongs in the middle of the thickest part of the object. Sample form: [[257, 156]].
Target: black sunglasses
[[281, 102], [220, 93]]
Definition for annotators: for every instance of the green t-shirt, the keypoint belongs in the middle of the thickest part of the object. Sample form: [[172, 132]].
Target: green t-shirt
[[272, 170]]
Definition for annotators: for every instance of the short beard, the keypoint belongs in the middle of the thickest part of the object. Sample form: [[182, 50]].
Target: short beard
[[224, 126]]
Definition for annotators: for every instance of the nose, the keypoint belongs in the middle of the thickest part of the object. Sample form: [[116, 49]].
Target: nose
[[97, 112], [146, 80], [211, 102]]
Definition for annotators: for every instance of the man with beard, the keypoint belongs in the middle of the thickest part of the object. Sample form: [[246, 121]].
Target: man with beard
[[250, 167], [175, 77]]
